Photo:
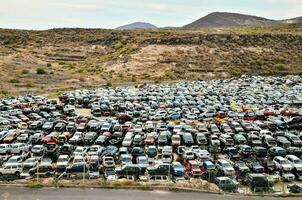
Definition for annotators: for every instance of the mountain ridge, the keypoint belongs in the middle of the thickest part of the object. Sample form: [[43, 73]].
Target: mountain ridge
[[228, 19]]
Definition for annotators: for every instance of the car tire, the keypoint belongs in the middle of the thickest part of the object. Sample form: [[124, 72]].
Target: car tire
[[17, 174]]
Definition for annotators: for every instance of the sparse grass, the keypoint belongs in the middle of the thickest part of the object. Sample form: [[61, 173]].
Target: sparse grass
[[81, 70], [41, 71], [14, 81], [34, 185], [24, 71], [108, 84], [29, 85]]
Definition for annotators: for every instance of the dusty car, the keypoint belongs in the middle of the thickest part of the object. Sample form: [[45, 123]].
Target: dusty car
[[257, 182], [226, 184], [44, 169], [10, 172]]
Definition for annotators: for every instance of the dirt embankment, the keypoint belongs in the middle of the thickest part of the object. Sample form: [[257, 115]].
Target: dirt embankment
[[61, 59]]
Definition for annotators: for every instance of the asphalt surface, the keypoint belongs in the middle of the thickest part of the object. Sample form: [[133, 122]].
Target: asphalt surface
[[99, 194]]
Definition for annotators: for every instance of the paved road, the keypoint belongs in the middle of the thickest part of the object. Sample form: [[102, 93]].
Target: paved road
[[100, 194]]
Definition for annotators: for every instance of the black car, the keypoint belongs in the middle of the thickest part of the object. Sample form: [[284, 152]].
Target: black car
[[128, 170]]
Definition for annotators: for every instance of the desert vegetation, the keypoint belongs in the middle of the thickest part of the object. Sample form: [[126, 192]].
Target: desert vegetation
[[53, 60]]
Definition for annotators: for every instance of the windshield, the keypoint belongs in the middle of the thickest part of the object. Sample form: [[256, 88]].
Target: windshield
[[62, 160], [195, 166], [283, 162], [226, 165], [210, 166], [298, 161], [143, 161], [178, 166], [12, 160], [79, 150], [30, 161], [36, 148], [110, 171]]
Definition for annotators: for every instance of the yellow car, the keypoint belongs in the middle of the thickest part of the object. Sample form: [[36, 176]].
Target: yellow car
[[22, 125], [220, 120]]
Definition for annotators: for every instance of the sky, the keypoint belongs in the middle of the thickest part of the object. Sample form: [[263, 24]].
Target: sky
[[46, 14]]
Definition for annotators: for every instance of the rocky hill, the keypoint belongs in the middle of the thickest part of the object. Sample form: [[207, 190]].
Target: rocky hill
[[60, 59], [225, 19], [137, 25]]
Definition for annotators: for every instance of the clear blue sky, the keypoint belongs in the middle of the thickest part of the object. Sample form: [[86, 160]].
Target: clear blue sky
[[44, 14]]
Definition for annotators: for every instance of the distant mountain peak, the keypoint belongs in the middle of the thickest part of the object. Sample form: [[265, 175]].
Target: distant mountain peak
[[137, 25], [227, 19]]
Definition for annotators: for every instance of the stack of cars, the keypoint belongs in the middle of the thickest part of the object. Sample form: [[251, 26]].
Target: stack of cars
[[243, 130]]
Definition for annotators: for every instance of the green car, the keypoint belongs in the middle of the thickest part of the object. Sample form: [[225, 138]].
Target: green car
[[226, 184]]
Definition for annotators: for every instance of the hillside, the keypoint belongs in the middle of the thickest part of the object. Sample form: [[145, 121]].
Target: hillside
[[292, 21], [224, 19], [137, 25], [75, 58]]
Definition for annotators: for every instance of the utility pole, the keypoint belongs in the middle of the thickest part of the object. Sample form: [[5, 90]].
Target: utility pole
[[37, 172], [84, 173]]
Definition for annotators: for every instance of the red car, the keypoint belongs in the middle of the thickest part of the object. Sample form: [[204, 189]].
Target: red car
[[11, 137], [193, 168], [150, 140], [268, 112], [105, 113], [289, 112], [49, 139]]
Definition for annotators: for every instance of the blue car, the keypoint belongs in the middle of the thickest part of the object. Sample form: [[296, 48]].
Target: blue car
[[137, 151], [178, 170], [175, 116]]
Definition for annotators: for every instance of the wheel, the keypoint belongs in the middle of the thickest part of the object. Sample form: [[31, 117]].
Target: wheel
[[17, 174]]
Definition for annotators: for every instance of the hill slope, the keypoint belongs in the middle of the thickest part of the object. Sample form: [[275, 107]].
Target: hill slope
[[292, 21], [224, 19], [75, 58], [137, 25]]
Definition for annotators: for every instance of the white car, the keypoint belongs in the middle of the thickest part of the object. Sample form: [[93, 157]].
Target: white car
[[69, 109], [202, 155], [13, 161], [225, 167], [167, 150], [295, 161], [63, 161], [80, 151], [287, 176], [108, 161], [282, 163], [18, 148], [188, 155], [5, 148]]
